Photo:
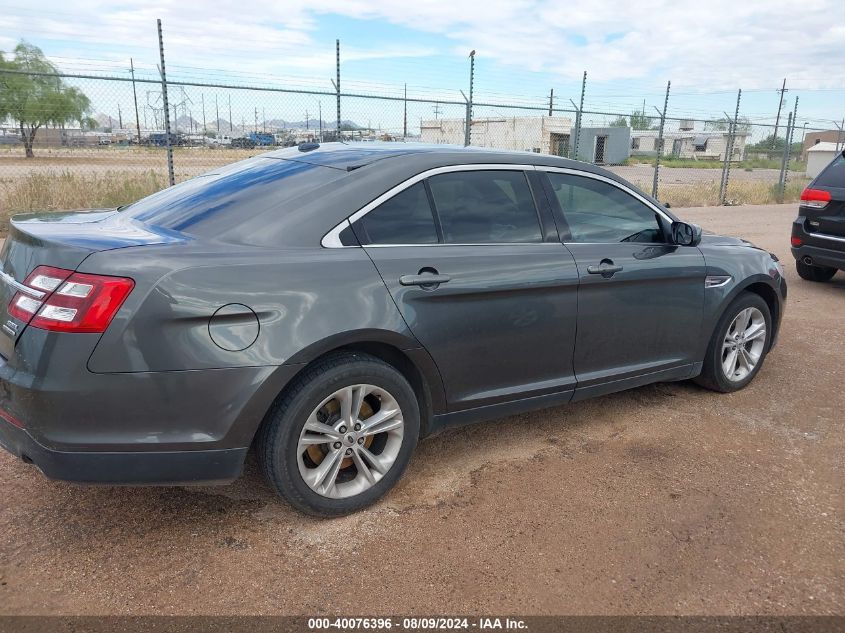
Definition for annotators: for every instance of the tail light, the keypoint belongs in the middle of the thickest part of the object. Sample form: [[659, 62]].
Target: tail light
[[815, 198], [65, 301], [796, 241]]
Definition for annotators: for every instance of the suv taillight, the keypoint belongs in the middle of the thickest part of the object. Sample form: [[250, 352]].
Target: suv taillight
[[815, 198], [69, 301]]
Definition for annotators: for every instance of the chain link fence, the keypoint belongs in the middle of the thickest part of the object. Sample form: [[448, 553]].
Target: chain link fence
[[121, 150]]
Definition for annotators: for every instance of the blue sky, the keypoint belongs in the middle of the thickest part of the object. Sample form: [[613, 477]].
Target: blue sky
[[524, 48]]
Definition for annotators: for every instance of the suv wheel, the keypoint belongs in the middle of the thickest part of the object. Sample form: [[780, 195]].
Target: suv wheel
[[814, 273], [342, 435], [739, 345]]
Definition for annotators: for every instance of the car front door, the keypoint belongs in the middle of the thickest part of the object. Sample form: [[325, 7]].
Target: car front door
[[482, 280], [640, 298]]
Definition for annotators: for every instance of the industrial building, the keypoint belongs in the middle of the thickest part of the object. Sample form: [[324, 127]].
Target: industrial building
[[544, 135], [689, 143]]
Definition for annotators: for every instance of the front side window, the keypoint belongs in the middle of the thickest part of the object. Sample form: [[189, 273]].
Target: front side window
[[598, 212], [405, 218], [485, 207]]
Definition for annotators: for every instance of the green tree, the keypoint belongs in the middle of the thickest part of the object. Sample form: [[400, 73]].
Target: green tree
[[37, 99], [619, 121], [639, 120]]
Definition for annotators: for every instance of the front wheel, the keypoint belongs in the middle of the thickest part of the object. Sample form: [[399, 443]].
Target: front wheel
[[814, 273], [739, 345], [342, 435]]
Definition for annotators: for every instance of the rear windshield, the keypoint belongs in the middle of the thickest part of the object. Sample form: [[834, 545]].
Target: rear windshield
[[211, 204], [834, 174]]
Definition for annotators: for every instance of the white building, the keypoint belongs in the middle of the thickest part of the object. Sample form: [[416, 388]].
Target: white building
[[689, 144], [547, 135], [820, 155]]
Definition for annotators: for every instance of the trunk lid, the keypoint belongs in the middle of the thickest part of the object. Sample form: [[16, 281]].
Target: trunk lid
[[829, 220], [62, 240]]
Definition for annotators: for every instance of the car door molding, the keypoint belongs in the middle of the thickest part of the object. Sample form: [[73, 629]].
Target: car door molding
[[332, 238]]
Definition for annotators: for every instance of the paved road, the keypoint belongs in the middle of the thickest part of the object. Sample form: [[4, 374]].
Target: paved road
[[666, 499]]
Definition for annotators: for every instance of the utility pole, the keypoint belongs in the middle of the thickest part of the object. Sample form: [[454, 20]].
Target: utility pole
[[171, 176], [306, 120], [119, 117], [135, 99], [782, 91], [551, 100], [255, 121]]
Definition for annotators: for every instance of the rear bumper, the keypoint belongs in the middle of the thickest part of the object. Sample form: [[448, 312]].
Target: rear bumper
[[822, 250], [166, 427], [137, 468], [820, 256]]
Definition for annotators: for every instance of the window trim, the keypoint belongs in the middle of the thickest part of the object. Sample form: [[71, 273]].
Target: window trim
[[332, 238], [577, 172]]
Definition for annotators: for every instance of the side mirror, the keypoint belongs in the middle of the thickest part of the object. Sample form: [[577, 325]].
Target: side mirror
[[685, 234]]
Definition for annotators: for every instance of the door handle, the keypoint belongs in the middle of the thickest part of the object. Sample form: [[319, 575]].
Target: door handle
[[606, 269], [424, 280]]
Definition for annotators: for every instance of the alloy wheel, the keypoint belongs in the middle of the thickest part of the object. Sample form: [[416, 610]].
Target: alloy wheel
[[744, 342], [350, 441]]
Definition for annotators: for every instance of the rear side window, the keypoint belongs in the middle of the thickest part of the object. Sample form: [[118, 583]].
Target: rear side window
[[833, 175], [219, 203], [480, 207], [405, 218]]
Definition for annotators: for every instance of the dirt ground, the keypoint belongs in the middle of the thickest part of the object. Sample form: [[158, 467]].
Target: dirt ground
[[663, 500]]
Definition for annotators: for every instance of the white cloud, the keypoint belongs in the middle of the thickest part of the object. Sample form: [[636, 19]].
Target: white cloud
[[707, 45]]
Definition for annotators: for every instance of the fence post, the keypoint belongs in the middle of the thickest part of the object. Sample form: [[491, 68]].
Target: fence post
[[729, 148], [337, 86], [170, 175], [578, 112], [660, 141], [135, 98], [468, 123], [782, 179]]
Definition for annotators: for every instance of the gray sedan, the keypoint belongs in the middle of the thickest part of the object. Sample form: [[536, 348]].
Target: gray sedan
[[331, 305]]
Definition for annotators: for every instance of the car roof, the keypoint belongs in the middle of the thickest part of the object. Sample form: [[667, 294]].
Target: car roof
[[351, 156]]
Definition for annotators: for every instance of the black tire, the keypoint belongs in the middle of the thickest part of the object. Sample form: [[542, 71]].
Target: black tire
[[814, 273], [279, 434], [712, 374]]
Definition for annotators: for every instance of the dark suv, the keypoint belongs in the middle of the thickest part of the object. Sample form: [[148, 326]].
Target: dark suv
[[818, 233], [330, 305]]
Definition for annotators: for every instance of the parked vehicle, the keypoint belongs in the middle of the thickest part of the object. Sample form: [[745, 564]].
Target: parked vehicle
[[262, 140], [818, 233], [242, 143], [332, 304]]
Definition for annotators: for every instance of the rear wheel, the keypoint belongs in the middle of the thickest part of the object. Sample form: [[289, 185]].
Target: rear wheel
[[739, 345], [814, 273], [342, 436]]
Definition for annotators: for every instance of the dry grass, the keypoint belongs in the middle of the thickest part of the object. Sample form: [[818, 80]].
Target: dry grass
[[52, 191], [705, 194]]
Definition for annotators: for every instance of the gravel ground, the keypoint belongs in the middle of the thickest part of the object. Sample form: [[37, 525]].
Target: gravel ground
[[663, 500]]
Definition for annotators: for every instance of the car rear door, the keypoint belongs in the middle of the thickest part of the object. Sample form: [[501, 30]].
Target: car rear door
[[640, 299], [481, 278]]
